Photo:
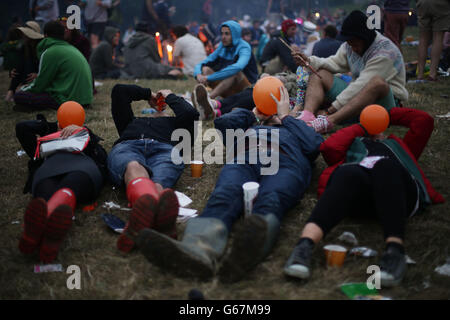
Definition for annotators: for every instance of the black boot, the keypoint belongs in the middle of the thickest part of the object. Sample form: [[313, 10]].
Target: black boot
[[392, 265], [299, 263]]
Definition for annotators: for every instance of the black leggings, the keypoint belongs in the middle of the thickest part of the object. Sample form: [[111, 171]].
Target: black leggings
[[387, 191], [80, 183]]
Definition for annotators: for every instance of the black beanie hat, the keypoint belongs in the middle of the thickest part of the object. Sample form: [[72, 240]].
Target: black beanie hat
[[355, 26]]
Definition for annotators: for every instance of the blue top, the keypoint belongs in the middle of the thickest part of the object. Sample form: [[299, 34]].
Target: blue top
[[326, 47], [228, 61]]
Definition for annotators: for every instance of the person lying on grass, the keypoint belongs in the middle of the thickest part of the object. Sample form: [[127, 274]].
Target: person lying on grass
[[57, 182], [371, 176], [293, 146], [142, 159]]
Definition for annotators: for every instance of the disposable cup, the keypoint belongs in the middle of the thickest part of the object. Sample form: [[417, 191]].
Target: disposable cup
[[250, 193], [335, 255], [196, 168]]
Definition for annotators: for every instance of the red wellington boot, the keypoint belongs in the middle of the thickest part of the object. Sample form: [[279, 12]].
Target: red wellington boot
[[34, 222], [143, 197], [60, 212]]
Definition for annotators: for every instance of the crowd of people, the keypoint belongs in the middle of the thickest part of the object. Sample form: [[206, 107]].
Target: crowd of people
[[326, 82]]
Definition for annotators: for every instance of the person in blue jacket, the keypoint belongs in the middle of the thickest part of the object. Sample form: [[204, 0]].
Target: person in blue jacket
[[293, 146], [230, 68]]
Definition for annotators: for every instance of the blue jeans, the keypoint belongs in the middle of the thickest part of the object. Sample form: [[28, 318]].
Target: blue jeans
[[153, 155], [277, 193]]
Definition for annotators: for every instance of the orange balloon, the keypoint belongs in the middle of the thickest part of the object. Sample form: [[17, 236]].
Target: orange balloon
[[70, 112], [374, 118], [261, 94]]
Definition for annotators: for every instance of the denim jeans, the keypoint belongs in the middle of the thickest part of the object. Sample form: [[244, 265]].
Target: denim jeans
[[153, 155], [277, 193]]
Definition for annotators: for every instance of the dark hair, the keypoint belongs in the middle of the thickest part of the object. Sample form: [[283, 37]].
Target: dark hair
[[246, 31], [330, 31], [14, 33], [54, 29], [179, 31]]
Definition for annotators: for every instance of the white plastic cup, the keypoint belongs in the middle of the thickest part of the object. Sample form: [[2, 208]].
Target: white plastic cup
[[250, 193]]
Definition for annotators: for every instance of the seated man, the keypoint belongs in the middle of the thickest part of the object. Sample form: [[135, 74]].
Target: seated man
[[142, 59], [378, 73], [187, 49], [293, 147], [64, 74], [231, 67], [141, 158], [102, 58], [276, 56], [328, 46]]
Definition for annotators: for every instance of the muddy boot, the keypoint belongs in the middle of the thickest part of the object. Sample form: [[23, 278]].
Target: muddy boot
[[203, 242], [253, 241]]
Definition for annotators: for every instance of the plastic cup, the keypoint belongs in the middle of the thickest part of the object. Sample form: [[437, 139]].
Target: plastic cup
[[335, 255], [250, 193], [196, 168]]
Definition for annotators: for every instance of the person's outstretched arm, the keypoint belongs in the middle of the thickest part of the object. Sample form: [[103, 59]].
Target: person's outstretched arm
[[122, 96]]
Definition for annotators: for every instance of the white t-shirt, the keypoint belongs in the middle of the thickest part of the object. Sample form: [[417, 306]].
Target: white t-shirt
[[191, 50]]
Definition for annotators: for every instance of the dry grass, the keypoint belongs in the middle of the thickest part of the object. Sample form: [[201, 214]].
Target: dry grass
[[108, 274]]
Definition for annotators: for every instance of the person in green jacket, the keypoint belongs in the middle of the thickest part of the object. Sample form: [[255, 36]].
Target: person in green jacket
[[64, 74]]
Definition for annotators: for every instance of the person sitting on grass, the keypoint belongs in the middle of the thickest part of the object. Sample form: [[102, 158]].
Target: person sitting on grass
[[206, 236], [64, 74], [102, 61], [370, 176], [141, 159], [57, 183], [142, 59], [230, 68], [377, 69]]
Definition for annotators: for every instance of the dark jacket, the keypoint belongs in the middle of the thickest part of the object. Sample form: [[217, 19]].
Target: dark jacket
[[130, 127], [345, 146], [101, 60], [326, 47], [276, 48], [396, 6], [92, 160]]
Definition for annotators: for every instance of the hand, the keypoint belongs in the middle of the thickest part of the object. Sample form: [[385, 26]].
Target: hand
[[69, 130], [31, 77], [331, 110], [202, 79], [295, 47], [152, 100], [165, 92], [283, 106], [300, 59]]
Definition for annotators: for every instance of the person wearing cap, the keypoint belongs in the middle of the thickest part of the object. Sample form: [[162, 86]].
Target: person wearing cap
[[25, 63], [64, 74], [229, 69], [312, 37], [378, 76], [142, 59], [102, 60], [375, 177], [43, 11], [276, 56], [57, 183], [282, 182]]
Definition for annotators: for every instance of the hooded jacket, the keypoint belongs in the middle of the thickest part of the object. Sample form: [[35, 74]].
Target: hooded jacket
[[142, 58], [228, 61], [101, 60], [63, 72]]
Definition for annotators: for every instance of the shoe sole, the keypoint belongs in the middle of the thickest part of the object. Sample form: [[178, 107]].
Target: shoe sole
[[35, 219], [170, 255], [201, 95], [55, 231], [246, 250], [142, 216], [297, 272], [166, 218], [389, 282]]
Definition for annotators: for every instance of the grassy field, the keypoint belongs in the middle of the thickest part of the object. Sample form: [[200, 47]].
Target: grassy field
[[108, 274]]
